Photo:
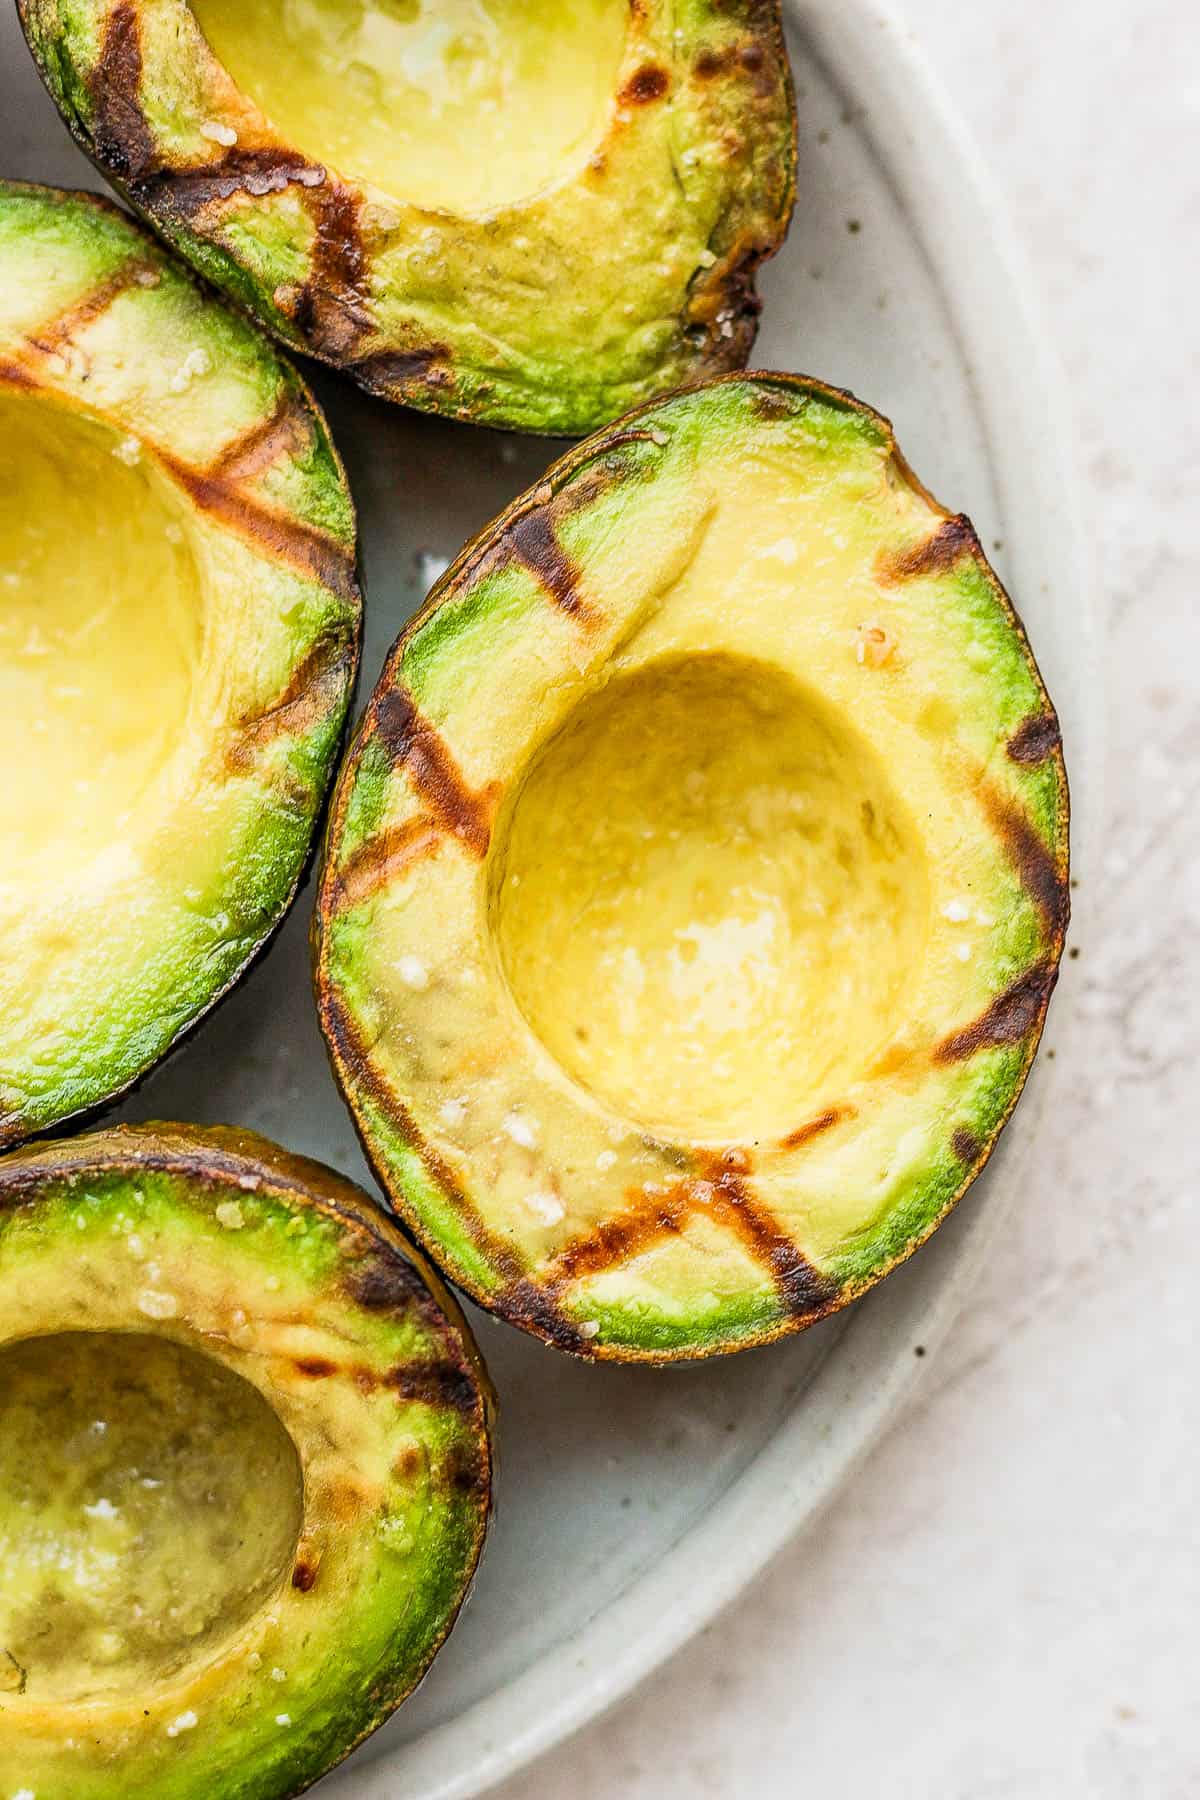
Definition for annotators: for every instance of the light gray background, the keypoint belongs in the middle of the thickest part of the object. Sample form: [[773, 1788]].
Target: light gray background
[[1003, 1604]]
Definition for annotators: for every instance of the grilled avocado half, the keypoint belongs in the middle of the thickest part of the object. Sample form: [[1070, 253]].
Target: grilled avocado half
[[529, 213], [244, 1467], [696, 881], [179, 628]]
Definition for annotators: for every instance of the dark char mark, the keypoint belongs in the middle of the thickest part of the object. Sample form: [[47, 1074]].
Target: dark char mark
[[411, 740]]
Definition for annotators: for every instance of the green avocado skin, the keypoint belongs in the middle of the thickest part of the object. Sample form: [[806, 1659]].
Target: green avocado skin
[[623, 280], [394, 1430]]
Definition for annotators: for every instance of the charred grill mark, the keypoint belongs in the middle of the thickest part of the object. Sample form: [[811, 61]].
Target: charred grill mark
[[616, 1240], [305, 548], [13, 374], [535, 543], [362, 1077], [383, 859], [387, 1285], [123, 139], [646, 84], [1036, 738], [1044, 881], [1011, 1016], [53, 337], [804, 1134], [435, 776], [720, 1191], [390, 372], [954, 538], [530, 1305], [966, 1145], [181, 193], [322, 671], [304, 1576], [331, 310], [439, 1384], [285, 432], [802, 1288], [463, 1469], [315, 1368]]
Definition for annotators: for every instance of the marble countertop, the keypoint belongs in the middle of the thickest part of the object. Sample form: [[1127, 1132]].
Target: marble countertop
[[1002, 1604]]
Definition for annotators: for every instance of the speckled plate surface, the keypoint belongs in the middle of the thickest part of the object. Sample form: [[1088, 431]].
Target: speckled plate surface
[[633, 1504]]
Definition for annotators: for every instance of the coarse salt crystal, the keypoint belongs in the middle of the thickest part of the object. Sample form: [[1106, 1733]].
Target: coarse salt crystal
[[521, 1131], [606, 1159], [218, 133], [230, 1215], [156, 1305], [452, 1112], [187, 1721], [128, 451], [957, 911], [278, 1674], [196, 362], [963, 952], [589, 1328], [283, 1718], [412, 972], [548, 1207]]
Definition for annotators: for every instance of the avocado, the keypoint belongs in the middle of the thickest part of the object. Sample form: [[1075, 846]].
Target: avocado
[[526, 213], [696, 881], [244, 1467], [178, 642]]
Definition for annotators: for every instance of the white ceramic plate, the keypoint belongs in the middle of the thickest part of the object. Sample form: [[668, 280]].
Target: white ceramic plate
[[633, 1504]]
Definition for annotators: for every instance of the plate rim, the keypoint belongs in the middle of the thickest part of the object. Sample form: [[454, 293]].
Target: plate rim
[[778, 1494]]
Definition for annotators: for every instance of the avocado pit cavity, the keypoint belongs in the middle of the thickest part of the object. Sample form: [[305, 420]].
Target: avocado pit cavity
[[458, 105], [150, 1505], [708, 899]]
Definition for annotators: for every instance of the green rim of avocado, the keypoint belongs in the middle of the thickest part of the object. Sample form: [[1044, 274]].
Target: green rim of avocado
[[178, 644], [537, 219], [696, 881], [245, 1448]]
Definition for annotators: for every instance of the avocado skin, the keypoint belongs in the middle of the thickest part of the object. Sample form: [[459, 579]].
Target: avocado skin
[[1034, 830], [46, 1189], [335, 288]]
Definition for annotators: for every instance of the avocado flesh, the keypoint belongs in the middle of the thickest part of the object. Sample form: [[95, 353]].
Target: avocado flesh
[[178, 640], [245, 1451], [696, 883], [102, 610], [532, 216], [396, 94]]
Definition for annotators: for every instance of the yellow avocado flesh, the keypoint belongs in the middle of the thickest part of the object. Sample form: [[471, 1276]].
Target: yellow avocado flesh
[[458, 105], [101, 629], [150, 1503], [710, 902]]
